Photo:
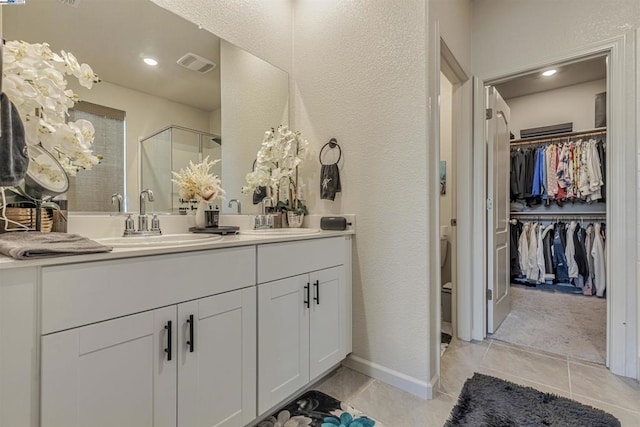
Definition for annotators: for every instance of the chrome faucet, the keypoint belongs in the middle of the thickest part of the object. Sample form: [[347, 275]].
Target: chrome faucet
[[143, 220], [264, 204], [117, 198], [238, 208], [143, 224], [264, 220]]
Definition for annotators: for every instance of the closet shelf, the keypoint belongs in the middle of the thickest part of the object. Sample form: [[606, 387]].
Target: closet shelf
[[545, 139]]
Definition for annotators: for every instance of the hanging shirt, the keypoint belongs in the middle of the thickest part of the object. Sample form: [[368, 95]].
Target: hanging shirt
[[570, 251], [552, 172], [532, 267], [540, 255], [523, 249], [599, 268]]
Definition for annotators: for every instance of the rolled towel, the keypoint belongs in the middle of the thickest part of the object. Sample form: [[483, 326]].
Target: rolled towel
[[14, 159], [35, 244]]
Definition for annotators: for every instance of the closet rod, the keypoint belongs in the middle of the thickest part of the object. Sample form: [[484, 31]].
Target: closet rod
[[568, 217], [556, 137]]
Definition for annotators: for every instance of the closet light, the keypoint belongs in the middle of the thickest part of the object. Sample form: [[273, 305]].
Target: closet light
[[150, 61], [549, 73]]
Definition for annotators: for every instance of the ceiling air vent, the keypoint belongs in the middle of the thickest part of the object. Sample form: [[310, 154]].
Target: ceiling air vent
[[72, 3], [196, 63], [546, 130]]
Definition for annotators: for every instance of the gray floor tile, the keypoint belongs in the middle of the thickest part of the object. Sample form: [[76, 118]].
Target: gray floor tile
[[600, 384], [534, 367], [344, 384]]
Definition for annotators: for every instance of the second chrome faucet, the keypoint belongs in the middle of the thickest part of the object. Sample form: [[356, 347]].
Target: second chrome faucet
[[143, 219]]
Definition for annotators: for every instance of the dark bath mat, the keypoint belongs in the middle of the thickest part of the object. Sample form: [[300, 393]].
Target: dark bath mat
[[316, 409], [489, 401]]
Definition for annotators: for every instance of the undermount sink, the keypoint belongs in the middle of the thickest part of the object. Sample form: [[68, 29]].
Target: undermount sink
[[185, 239], [274, 232]]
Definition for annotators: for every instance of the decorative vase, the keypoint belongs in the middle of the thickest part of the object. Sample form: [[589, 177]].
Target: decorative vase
[[201, 220], [294, 219]]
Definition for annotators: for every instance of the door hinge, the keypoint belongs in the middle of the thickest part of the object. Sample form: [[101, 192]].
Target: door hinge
[[489, 204], [489, 295], [489, 113]]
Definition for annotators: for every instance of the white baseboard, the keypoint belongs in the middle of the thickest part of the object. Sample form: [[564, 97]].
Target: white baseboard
[[397, 379]]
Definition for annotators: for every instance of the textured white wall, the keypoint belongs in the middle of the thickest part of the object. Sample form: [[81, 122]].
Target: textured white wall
[[568, 104], [145, 115], [260, 27], [361, 79], [455, 21], [508, 34]]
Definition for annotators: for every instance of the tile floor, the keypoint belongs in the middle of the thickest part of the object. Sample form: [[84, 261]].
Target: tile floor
[[588, 383]]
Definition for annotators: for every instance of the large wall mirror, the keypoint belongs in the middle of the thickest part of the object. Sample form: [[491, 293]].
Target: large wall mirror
[[192, 110]]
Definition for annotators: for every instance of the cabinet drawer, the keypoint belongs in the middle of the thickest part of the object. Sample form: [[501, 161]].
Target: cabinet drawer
[[280, 260], [75, 295]]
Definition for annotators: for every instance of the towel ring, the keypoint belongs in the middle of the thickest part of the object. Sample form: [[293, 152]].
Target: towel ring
[[333, 143]]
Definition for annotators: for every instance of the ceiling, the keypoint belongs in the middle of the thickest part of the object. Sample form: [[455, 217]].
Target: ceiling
[[567, 75], [113, 36]]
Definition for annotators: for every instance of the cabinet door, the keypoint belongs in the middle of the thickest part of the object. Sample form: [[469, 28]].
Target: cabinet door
[[326, 321], [113, 373], [217, 360], [283, 339]]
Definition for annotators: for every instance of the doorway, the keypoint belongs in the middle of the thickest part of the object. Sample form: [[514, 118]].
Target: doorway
[[620, 250], [546, 217], [454, 95]]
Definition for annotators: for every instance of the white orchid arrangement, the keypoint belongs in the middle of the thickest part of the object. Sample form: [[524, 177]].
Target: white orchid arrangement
[[196, 182], [277, 166], [34, 80]]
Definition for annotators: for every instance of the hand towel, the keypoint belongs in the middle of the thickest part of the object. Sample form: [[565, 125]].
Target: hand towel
[[14, 159], [259, 194], [329, 181], [35, 244]]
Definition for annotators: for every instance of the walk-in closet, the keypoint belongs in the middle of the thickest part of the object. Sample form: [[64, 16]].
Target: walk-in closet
[[558, 215]]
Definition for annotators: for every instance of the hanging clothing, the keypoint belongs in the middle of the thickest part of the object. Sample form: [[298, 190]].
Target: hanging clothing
[[570, 251], [559, 259], [547, 252], [523, 249], [572, 170], [599, 268], [532, 267]]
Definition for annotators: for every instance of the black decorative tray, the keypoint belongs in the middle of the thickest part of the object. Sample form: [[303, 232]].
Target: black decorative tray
[[224, 230]]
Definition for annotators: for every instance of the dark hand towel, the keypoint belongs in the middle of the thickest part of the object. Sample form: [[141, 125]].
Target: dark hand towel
[[259, 194], [14, 159], [329, 181], [34, 244]]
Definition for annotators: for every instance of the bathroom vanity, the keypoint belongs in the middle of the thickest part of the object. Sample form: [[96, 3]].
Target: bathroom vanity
[[215, 334]]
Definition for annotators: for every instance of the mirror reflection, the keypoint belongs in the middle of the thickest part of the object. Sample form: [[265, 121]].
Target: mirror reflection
[[178, 101]]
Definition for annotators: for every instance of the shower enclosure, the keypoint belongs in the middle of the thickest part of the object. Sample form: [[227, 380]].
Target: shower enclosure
[[171, 149]]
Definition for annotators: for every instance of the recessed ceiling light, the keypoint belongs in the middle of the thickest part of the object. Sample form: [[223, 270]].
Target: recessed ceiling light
[[549, 73], [150, 61]]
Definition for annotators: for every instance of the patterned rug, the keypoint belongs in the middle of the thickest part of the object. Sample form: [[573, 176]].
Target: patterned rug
[[492, 402], [316, 409]]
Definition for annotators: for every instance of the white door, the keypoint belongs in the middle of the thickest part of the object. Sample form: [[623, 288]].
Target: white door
[[498, 167], [113, 373], [326, 322], [217, 360], [283, 339]]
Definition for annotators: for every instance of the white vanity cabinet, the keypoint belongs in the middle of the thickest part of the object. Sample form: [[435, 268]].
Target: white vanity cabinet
[[304, 320], [190, 363]]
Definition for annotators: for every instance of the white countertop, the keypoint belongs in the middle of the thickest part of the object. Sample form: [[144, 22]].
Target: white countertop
[[119, 253]]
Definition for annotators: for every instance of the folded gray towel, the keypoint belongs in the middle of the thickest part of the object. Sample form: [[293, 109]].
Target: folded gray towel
[[34, 244], [14, 159]]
